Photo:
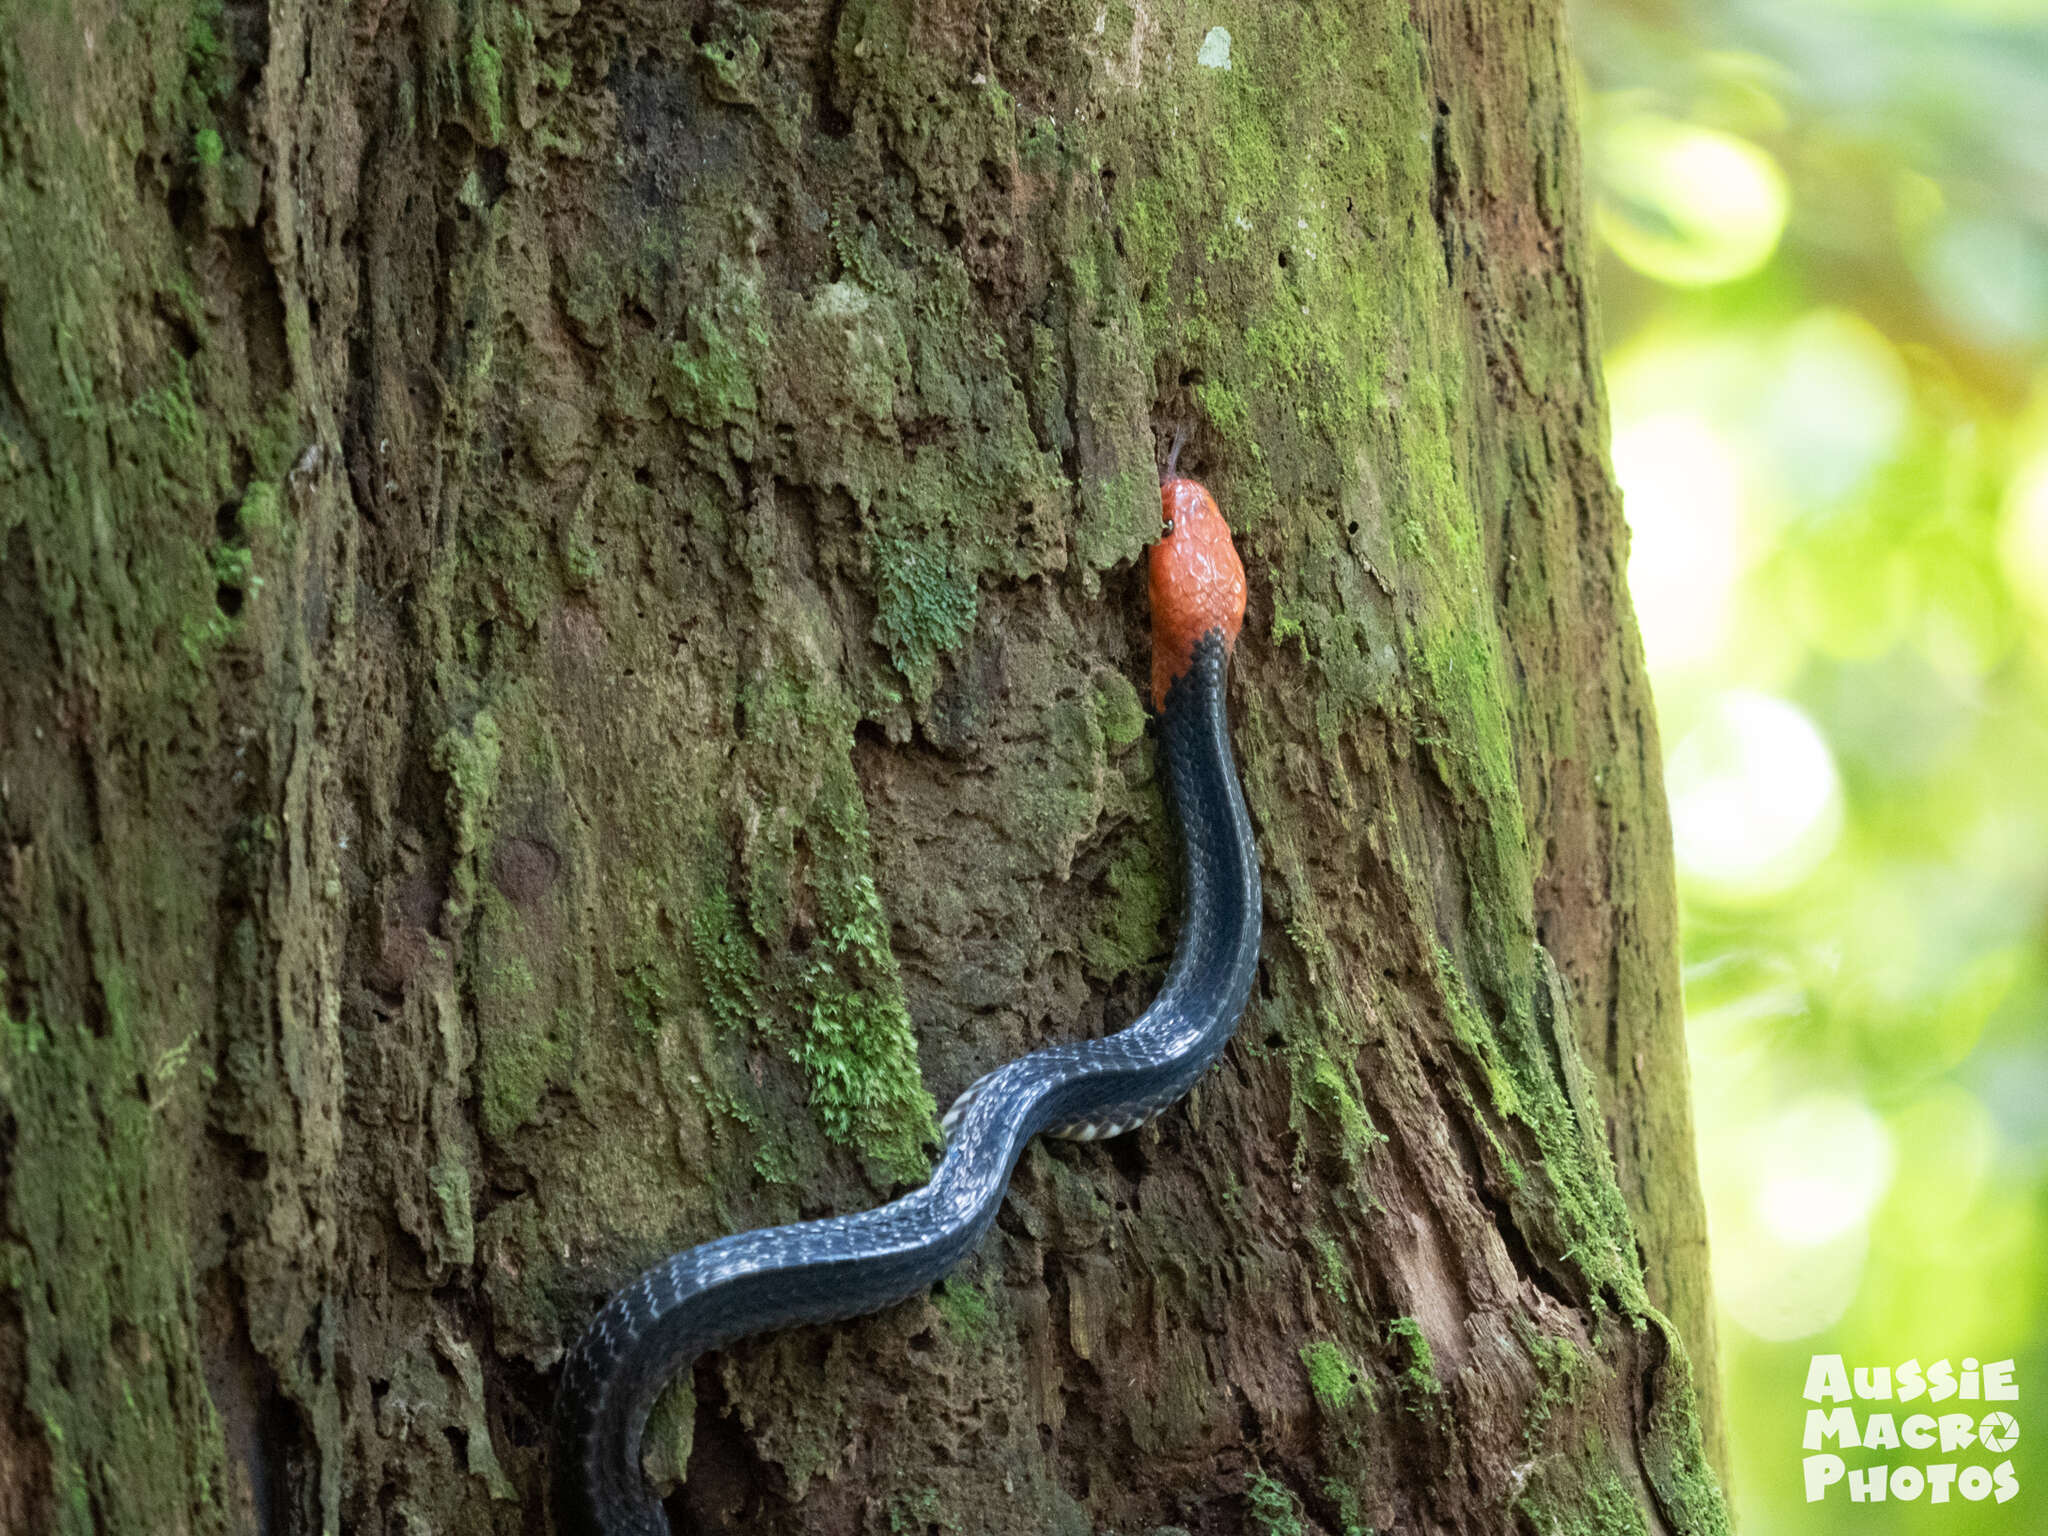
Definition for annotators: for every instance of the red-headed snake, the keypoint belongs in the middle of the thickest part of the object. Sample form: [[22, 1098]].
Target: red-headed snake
[[846, 1266]]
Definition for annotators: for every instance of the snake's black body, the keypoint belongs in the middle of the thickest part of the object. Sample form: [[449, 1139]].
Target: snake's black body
[[846, 1266]]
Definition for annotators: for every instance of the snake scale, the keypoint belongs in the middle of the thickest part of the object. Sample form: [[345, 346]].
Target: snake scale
[[846, 1266]]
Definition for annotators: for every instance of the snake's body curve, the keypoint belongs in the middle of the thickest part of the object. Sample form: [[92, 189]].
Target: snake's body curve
[[847, 1266]]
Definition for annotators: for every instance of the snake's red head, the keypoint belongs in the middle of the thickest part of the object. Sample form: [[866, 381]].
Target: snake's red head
[[1197, 582]]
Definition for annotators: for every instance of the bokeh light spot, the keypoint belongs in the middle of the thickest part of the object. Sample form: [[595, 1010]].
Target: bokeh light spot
[[1756, 802], [1827, 1160], [1682, 493], [1782, 1291], [1684, 204], [2023, 535], [1791, 1196], [1837, 407], [1990, 274]]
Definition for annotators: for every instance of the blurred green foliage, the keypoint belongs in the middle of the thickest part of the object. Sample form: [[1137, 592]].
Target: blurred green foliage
[[1824, 286]]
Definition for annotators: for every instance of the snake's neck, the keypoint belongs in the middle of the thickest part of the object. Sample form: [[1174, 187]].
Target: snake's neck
[[1216, 955]]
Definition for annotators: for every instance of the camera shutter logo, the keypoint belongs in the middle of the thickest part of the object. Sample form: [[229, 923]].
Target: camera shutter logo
[[1998, 1432]]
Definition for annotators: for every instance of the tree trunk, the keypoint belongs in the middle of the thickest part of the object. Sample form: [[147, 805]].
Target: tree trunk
[[572, 629]]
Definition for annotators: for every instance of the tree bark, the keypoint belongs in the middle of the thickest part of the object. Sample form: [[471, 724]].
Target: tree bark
[[571, 633]]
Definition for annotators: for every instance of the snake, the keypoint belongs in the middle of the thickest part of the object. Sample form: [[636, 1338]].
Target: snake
[[840, 1267]]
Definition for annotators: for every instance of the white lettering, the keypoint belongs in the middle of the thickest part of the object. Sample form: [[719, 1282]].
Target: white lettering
[[1831, 1380], [1821, 1471], [1827, 1380], [1838, 1425]]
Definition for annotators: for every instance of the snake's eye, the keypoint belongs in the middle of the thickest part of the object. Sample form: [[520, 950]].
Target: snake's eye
[[1166, 530]]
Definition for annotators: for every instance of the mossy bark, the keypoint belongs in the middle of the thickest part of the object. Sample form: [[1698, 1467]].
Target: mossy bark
[[570, 631]]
